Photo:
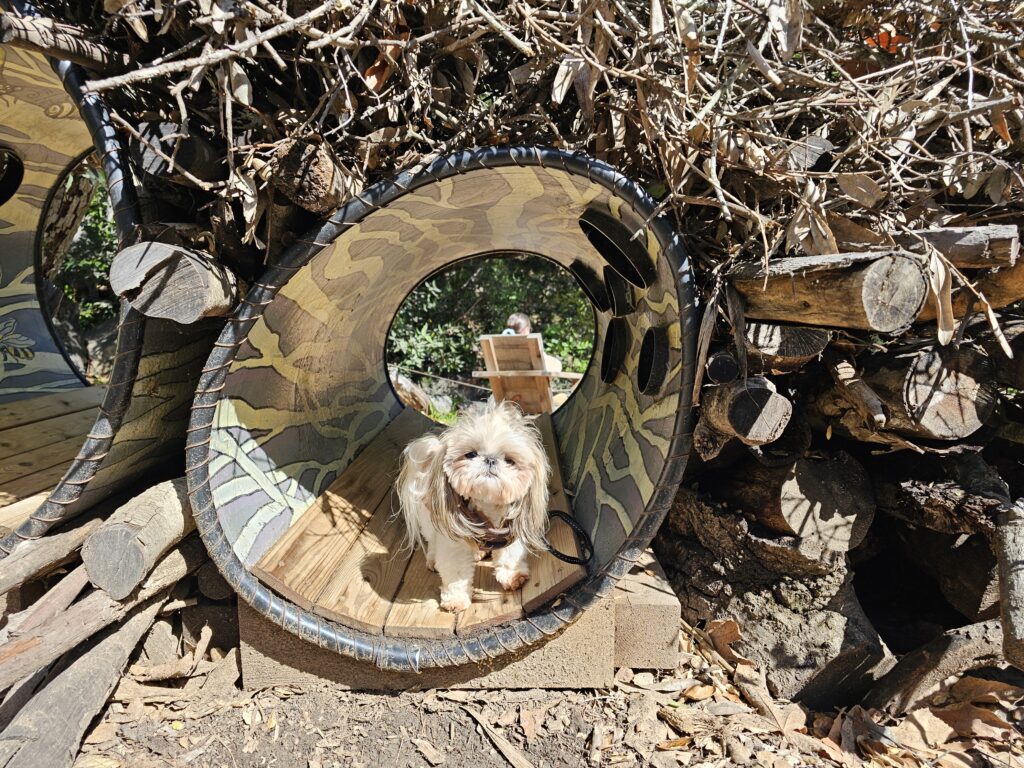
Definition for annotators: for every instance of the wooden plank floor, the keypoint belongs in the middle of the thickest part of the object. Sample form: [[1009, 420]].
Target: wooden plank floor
[[39, 437], [346, 557]]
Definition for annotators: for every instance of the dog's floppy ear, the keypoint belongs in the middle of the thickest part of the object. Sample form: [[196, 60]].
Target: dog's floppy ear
[[530, 521], [443, 502]]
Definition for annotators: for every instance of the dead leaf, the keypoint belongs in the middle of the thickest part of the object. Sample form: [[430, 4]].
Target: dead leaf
[[565, 76], [971, 721], [922, 730], [786, 19], [241, 88], [723, 633], [861, 188], [699, 692], [977, 690], [941, 281], [531, 720], [751, 683]]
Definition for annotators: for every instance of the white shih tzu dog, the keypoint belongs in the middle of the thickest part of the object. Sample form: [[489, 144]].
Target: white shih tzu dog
[[481, 484]]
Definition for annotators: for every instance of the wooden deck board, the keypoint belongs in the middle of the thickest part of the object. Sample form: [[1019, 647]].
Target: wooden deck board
[[491, 604], [28, 437], [23, 464], [363, 586], [415, 611], [13, 515], [29, 485], [302, 562], [34, 409]]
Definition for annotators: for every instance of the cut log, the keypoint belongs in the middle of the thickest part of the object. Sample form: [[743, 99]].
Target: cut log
[[309, 175], [921, 673], [722, 367], [49, 729], [810, 634], [750, 410], [880, 291], [211, 584], [39, 556], [942, 393], [829, 500], [174, 283], [773, 348], [964, 567], [62, 42], [994, 245], [120, 553], [1009, 371], [28, 653]]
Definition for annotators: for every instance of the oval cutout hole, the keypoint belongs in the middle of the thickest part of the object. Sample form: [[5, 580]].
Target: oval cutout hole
[[591, 285], [12, 171], [616, 340], [620, 293], [653, 366], [613, 240]]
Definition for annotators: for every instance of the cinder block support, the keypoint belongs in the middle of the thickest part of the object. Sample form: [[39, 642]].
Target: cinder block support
[[647, 614], [638, 627]]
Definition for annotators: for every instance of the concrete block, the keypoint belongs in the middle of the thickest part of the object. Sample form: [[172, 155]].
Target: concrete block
[[637, 627], [581, 657], [647, 614]]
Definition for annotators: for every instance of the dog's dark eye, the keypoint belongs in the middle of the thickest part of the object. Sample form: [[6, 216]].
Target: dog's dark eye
[[471, 455], [510, 462]]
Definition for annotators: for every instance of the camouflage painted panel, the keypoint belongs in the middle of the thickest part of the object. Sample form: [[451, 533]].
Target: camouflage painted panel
[[308, 389], [41, 126]]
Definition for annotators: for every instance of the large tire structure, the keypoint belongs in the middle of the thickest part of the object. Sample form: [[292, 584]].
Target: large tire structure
[[296, 387]]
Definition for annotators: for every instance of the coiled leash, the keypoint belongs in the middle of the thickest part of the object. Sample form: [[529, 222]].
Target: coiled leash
[[582, 540]]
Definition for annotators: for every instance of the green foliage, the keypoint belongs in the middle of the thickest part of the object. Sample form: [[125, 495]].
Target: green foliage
[[438, 326], [83, 276]]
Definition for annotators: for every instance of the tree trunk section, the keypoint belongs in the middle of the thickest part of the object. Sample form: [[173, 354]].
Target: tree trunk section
[[750, 410], [48, 731], [1009, 545], [828, 500], [878, 291], [941, 393], [121, 552], [773, 348], [174, 283], [995, 245], [61, 41], [963, 567]]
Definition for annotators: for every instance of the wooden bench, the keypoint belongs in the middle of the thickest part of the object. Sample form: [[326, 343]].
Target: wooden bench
[[39, 437], [346, 557], [518, 371]]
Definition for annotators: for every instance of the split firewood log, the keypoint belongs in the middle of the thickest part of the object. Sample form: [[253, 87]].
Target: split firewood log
[[309, 174], [173, 282], [881, 291], [826, 499], [164, 150], [124, 549], [994, 245], [28, 653], [39, 556], [48, 731], [61, 41]]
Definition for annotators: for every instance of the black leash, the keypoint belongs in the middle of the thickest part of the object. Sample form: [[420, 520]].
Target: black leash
[[582, 540]]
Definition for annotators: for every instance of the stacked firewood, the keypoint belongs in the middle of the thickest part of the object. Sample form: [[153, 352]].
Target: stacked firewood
[[78, 604]]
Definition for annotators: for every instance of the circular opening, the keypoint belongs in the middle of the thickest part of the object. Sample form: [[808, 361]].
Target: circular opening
[[653, 365], [613, 240], [451, 332], [12, 171], [78, 241], [616, 342]]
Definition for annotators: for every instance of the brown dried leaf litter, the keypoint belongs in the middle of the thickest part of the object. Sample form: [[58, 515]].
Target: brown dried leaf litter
[[763, 126]]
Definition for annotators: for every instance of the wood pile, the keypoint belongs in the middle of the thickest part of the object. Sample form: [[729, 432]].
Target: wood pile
[[845, 174], [78, 604]]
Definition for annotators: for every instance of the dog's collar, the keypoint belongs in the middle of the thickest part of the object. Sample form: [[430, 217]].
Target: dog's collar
[[486, 534]]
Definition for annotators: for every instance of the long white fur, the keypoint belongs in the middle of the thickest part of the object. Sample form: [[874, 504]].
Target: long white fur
[[493, 457]]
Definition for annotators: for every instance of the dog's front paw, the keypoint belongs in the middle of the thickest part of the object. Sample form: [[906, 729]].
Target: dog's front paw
[[455, 600], [511, 579]]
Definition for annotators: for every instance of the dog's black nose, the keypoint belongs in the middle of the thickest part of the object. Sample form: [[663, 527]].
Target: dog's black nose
[[491, 460]]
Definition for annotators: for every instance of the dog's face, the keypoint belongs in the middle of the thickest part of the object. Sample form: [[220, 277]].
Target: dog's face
[[494, 456]]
